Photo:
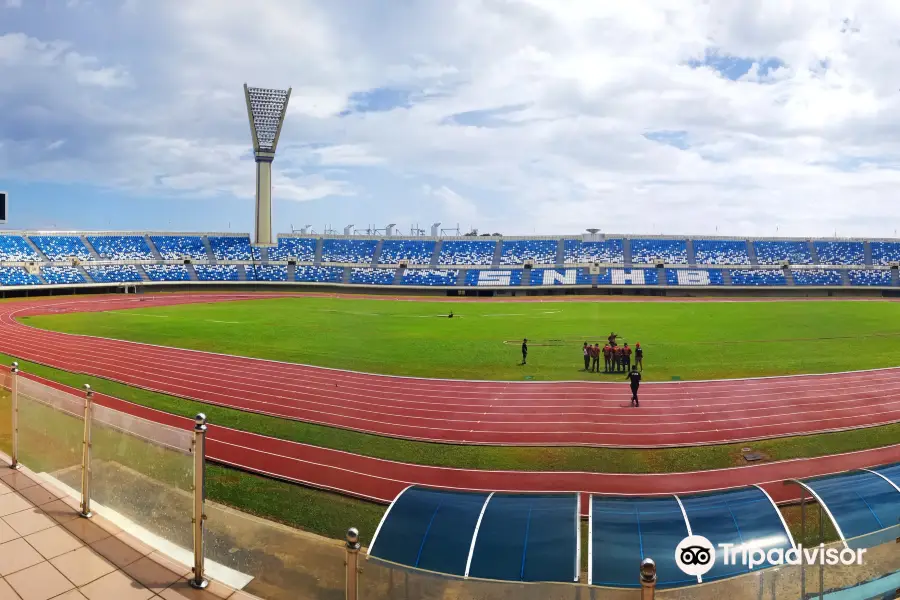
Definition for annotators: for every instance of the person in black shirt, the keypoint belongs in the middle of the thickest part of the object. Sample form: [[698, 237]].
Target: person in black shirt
[[587, 356], [635, 378], [639, 356], [612, 339], [524, 350]]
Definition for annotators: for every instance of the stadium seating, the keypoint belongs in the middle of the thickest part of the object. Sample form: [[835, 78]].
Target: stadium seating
[[430, 277], [776, 251], [61, 275], [817, 277], [467, 252], [721, 252], [628, 277], [178, 246], [17, 276], [670, 252], [15, 248], [493, 278], [870, 277], [547, 277], [301, 249], [884, 253], [120, 247], [311, 274], [369, 276], [540, 252], [414, 252], [840, 253], [230, 247], [757, 277], [267, 273], [349, 251], [694, 277], [607, 252], [61, 247], [167, 272], [216, 272], [113, 273]]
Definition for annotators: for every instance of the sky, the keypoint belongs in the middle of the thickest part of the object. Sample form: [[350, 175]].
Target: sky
[[521, 117]]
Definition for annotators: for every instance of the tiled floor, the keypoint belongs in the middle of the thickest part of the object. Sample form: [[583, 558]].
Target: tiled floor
[[48, 551]]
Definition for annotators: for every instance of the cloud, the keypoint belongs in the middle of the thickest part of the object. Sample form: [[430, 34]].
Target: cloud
[[525, 116]]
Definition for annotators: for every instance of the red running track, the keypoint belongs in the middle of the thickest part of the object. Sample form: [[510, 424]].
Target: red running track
[[381, 480], [464, 412]]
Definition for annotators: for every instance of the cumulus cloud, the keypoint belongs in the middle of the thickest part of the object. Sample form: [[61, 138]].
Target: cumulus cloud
[[524, 116]]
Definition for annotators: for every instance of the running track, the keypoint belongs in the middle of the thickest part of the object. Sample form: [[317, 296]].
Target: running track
[[463, 412], [371, 478]]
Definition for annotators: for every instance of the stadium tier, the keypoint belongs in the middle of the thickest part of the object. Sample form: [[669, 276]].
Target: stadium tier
[[111, 258]]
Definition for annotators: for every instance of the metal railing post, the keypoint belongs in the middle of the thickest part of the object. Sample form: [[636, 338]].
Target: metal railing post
[[14, 401], [86, 454], [351, 561], [199, 581], [648, 579]]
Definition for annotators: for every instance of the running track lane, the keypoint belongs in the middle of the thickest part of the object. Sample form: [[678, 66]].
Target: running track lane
[[453, 411], [381, 480]]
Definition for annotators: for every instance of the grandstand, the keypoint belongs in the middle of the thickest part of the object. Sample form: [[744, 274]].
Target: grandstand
[[49, 261]]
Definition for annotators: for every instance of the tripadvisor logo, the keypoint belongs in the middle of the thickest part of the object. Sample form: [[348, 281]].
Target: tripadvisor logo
[[695, 555]]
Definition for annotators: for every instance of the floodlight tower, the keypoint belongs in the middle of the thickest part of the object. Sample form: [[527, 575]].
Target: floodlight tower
[[266, 109]]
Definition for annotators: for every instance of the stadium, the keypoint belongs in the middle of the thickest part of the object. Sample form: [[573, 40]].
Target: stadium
[[374, 415]]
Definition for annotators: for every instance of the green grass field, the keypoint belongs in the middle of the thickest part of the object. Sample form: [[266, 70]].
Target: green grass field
[[691, 340]]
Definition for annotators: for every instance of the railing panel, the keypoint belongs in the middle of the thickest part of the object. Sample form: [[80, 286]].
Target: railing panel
[[51, 431]]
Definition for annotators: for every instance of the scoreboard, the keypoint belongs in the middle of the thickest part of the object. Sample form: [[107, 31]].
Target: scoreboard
[[3, 198]]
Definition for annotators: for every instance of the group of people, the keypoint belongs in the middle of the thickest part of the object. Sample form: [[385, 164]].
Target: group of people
[[616, 359]]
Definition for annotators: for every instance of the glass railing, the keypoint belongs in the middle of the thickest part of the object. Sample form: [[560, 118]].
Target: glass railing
[[142, 479]]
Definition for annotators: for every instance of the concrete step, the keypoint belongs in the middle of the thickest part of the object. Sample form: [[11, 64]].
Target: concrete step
[[142, 273], [813, 253], [317, 259], [561, 253], [87, 278], [437, 253], [41, 255], [867, 249], [192, 272], [626, 250], [292, 272], [377, 253], [242, 273], [210, 255], [498, 250], [153, 249], [789, 277], [398, 275], [691, 255], [751, 252], [726, 276], [90, 248]]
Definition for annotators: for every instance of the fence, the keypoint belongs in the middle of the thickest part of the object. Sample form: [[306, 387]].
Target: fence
[[149, 479]]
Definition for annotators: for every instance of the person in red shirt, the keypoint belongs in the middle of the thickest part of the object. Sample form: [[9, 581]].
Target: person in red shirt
[[595, 358], [618, 353], [626, 357], [607, 357]]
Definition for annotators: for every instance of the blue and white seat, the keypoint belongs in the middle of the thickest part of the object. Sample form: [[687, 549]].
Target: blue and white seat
[[61, 275], [817, 277], [216, 272], [349, 251], [370, 276], [113, 273], [228, 247], [618, 276], [467, 252], [552, 277], [429, 277], [721, 252], [313, 274], [670, 252], [120, 247], [414, 252], [870, 277], [885, 253], [493, 277], [605, 252], [517, 252], [297, 248], [61, 247], [757, 277], [15, 248], [840, 253], [267, 273], [777, 251], [694, 277], [172, 247], [167, 272], [17, 276]]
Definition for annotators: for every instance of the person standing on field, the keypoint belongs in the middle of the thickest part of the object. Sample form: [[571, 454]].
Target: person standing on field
[[524, 350], [639, 356], [626, 355], [607, 357], [587, 356], [635, 378], [595, 357]]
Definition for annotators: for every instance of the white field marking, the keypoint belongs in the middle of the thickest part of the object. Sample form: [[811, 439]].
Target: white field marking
[[131, 314], [225, 298], [226, 322]]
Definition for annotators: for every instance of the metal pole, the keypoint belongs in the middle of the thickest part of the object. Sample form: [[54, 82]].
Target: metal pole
[[14, 396], [648, 579], [351, 561], [199, 581], [802, 540], [821, 563], [86, 454]]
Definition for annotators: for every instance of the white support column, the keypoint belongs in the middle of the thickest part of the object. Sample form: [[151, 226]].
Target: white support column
[[264, 198]]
